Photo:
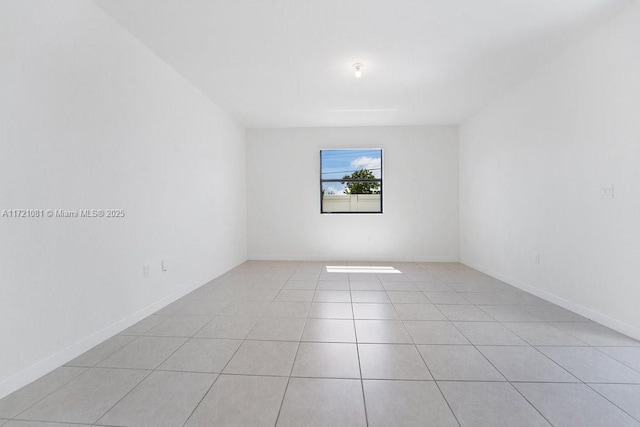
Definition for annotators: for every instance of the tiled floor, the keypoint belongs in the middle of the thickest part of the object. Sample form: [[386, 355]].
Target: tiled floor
[[292, 344]]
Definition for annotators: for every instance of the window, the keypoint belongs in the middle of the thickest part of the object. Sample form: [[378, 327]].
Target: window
[[351, 181]]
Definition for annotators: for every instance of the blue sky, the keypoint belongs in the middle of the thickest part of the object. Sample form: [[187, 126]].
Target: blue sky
[[338, 163]]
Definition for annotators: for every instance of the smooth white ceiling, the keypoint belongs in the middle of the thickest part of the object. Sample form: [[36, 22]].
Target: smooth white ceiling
[[282, 63]]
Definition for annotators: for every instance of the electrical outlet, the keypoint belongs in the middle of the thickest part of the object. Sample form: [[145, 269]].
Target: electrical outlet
[[606, 192], [146, 271], [164, 264]]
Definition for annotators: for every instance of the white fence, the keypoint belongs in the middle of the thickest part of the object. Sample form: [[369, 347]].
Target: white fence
[[351, 203]]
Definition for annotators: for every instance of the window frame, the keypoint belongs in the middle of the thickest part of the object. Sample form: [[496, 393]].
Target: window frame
[[380, 180]]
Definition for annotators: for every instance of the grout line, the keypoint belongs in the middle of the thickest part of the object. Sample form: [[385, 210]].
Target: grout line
[[609, 400], [125, 395], [415, 346], [148, 375], [393, 379], [295, 357], [135, 337], [355, 332], [217, 376], [500, 372], [530, 403], [614, 358], [46, 423], [216, 380], [506, 379], [580, 381], [85, 370]]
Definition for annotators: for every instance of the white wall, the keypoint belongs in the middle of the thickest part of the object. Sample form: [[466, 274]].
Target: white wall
[[90, 118], [420, 192], [532, 168]]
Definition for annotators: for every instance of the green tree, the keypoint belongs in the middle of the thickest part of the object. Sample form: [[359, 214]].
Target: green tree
[[361, 187]]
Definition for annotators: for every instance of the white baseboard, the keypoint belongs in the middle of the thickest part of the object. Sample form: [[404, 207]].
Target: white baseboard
[[48, 364], [298, 257], [604, 319]]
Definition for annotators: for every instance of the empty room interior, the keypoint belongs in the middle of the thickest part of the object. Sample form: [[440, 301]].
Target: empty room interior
[[319, 213]]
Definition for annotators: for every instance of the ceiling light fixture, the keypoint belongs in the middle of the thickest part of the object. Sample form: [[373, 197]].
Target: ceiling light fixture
[[357, 67]]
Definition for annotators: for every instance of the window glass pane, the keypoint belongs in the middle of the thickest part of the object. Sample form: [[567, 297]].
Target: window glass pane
[[351, 181], [339, 163]]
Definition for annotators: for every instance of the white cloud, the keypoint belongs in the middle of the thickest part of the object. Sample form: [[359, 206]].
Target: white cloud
[[334, 190], [370, 163]]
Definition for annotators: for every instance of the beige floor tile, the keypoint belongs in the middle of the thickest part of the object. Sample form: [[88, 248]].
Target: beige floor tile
[[406, 403], [239, 401], [322, 402]]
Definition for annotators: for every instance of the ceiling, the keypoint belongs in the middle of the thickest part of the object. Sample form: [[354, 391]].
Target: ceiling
[[287, 63]]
